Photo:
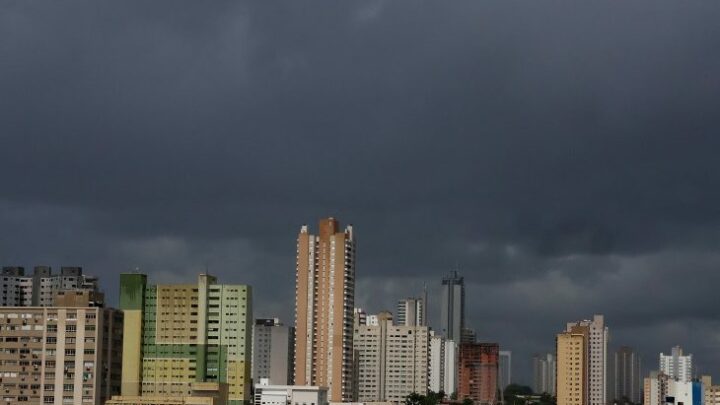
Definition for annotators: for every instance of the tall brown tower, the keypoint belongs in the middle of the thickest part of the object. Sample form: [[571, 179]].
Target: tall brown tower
[[324, 302]]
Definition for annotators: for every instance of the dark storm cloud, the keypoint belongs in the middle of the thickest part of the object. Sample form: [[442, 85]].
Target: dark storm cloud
[[562, 154]]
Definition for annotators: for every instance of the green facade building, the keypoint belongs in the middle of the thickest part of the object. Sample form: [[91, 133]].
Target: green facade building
[[179, 335]]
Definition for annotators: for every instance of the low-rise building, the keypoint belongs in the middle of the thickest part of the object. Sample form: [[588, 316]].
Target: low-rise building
[[201, 393], [266, 394]]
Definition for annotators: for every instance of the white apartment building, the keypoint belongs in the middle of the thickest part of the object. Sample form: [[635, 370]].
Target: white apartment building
[[596, 358], [40, 288], [442, 365], [391, 361], [676, 365]]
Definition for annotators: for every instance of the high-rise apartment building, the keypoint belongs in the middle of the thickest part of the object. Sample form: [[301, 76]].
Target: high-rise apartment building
[[571, 354], [60, 355], [505, 369], [324, 302], [184, 340], [273, 352], [391, 360], [40, 288], [411, 312], [677, 365], [626, 381], [443, 365], [544, 374], [596, 357], [452, 306], [478, 372]]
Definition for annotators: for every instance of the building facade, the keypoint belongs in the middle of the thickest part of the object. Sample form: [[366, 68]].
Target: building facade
[[391, 360], [411, 312], [596, 357], [40, 288], [452, 306], [544, 374], [478, 372], [60, 355], [677, 365], [273, 352], [179, 337], [571, 378], [626, 381], [324, 302]]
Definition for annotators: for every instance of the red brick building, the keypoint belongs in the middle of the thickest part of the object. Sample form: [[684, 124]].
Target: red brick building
[[478, 372]]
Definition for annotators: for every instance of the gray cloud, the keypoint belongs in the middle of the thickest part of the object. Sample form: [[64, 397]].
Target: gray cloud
[[562, 154]]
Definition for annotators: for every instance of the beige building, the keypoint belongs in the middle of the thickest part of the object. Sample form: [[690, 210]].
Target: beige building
[[571, 357], [711, 392], [185, 341], [60, 355], [324, 297], [391, 360]]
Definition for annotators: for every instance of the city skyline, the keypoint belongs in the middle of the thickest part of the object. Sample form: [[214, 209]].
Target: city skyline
[[561, 156]]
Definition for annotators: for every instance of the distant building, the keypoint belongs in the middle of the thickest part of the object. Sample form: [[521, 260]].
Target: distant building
[[505, 369], [596, 337], [184, 341], [359, 316], [452, 306], [40, 288], [268, 394], [411, 312], [273, 352], [391, 360], [468, 335], [626, 381], [676, 365], [478, 372], [324, 301], [442, 365], [60, 355], [544, 374]]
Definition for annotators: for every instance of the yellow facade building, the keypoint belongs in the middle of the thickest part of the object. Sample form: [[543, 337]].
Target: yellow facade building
[[571, 377]]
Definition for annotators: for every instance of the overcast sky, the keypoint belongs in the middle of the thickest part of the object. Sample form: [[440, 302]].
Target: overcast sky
[[563, 155]]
